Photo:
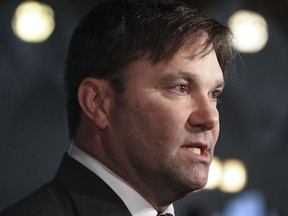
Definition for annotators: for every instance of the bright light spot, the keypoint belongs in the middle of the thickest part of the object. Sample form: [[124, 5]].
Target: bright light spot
[[234, 176], [250, 31], [215, 174], [33, 21]]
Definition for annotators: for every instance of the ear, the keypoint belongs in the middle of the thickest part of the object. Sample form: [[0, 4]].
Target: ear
[[93, 94]]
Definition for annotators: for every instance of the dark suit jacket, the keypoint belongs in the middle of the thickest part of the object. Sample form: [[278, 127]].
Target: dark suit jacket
[[74, 191]]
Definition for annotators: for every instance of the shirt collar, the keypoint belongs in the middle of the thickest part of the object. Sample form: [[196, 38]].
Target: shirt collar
[[136, 204]]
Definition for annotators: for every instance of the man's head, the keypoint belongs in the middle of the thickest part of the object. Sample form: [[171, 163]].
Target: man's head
[[117, 33], [143, 79]]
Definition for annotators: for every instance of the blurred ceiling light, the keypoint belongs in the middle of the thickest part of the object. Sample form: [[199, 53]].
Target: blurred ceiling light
[[33, 21], [215, 174], [250, 30], [234, 176]]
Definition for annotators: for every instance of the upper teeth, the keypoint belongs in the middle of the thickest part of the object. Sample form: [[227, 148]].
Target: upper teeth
[[195, 150]]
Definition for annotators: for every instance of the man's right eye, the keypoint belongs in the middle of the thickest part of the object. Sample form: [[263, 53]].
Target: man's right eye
[[181, 88]]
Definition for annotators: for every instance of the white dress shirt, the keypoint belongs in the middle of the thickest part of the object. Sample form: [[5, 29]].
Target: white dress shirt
[[136, 204]]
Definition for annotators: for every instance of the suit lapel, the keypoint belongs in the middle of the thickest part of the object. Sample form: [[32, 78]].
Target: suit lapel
[[90, 194]]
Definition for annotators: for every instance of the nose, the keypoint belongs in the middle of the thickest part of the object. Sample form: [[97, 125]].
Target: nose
[[204, 115]]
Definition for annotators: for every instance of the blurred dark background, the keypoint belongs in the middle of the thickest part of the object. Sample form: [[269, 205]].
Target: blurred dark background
[[254, 109]]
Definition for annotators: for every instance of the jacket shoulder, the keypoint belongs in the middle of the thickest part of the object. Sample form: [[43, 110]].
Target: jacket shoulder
[[50, 199]]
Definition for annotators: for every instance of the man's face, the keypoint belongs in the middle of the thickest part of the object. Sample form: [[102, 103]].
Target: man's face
[[164, 127]]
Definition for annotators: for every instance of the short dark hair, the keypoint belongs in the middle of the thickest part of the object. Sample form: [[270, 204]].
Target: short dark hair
[[118, 32]]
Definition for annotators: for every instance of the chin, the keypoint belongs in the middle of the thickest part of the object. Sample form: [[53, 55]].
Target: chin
[[192, 187], [199, 183]]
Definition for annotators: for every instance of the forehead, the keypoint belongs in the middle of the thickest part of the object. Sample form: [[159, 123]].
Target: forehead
[[195, 58], [185, 66], [203, 66]]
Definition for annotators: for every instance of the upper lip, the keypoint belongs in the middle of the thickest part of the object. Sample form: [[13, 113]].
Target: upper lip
[[201, 145]]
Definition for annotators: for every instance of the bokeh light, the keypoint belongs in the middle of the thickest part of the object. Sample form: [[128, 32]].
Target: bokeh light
[[250, 30], [33, 21], [234, 176], [215, 174]]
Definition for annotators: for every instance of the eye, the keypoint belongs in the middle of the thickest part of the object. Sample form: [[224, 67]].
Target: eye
[[216, 94], [181, 88]]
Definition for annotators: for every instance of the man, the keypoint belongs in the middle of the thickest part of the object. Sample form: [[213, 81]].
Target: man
[[142, 80]]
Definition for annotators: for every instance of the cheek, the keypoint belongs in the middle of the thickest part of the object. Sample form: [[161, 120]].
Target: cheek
[[164, 120], [215, 133], [216, 130]]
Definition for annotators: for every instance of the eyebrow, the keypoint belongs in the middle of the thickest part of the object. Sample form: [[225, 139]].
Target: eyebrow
[[220, 84], [182, 74]]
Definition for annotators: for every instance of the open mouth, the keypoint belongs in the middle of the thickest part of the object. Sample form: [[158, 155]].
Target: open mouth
[[195, 150], [199, 149]]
